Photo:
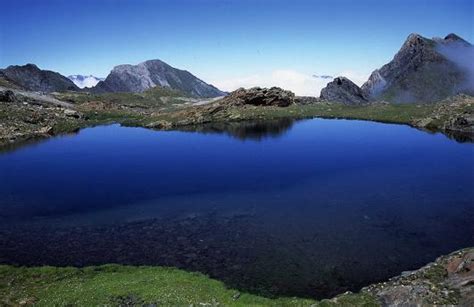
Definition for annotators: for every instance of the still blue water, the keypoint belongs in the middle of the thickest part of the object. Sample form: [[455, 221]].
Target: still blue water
[[311, 208]]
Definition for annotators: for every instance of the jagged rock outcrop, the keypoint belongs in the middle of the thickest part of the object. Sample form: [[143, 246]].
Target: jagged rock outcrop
[[424, 70], [138, 78], [344, 91], [257, 96], [31, 78]]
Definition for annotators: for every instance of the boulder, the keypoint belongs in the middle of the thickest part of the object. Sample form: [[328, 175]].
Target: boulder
[[8, 96], [257, 96], [71, 113], [344, 91]]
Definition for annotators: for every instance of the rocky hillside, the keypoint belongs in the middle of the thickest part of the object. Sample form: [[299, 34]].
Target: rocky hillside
[[424, 70], [344, 91], [31, 78], [138, 78]]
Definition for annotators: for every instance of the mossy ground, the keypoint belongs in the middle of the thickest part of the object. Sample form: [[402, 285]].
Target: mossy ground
[[114, 285], [154, 97], [387, 113]]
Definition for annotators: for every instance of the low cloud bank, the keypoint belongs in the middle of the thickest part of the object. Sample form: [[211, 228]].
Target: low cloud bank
[[299, 83], [462, 54]]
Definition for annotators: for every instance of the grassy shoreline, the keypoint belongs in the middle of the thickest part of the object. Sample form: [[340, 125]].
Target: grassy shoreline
[[119, 285], [447, 280]]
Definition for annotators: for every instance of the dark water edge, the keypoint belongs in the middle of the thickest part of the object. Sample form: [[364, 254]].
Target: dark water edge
[[310, 215]]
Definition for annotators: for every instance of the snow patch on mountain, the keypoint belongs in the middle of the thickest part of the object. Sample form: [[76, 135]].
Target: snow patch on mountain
[[85, 81]]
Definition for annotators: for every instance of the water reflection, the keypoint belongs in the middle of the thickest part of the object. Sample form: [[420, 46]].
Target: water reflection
[[247, 130], [31, 142]]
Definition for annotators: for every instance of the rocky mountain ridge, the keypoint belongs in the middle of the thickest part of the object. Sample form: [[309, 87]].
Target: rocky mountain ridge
[[140, 77], [422, 71], [31, 78]]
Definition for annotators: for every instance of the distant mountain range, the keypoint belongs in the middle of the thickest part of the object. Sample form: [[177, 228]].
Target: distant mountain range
[[123, 78], [423, 70], [138, 78], [85, 81]]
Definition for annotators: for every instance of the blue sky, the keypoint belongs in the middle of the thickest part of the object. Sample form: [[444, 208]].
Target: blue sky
[[229, 43]]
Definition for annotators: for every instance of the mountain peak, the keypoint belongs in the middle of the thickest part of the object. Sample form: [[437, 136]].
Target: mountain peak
[[151, 73], [415, 40], [31, 66], [414, 37], [343, 90], [32, 78], [419, 72], [154, 61], [452, 37]]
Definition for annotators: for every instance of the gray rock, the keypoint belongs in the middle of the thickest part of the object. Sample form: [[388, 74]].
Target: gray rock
[[138, 78], [71, 113], [344, 91], [257, 96]]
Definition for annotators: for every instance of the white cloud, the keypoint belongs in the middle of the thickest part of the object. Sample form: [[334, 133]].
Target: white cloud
[[300, 83], [84, 81]]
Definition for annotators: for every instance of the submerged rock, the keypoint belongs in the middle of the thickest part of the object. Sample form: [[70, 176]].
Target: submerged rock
[[344, 91], [257, 96]]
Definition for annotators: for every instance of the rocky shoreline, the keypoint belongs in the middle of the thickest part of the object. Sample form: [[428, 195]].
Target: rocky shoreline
[[449, 280]]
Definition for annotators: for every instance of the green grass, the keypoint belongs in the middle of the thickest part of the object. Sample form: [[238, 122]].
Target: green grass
[[389, 113], [400, 114], [154, 97], [114, 285]]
